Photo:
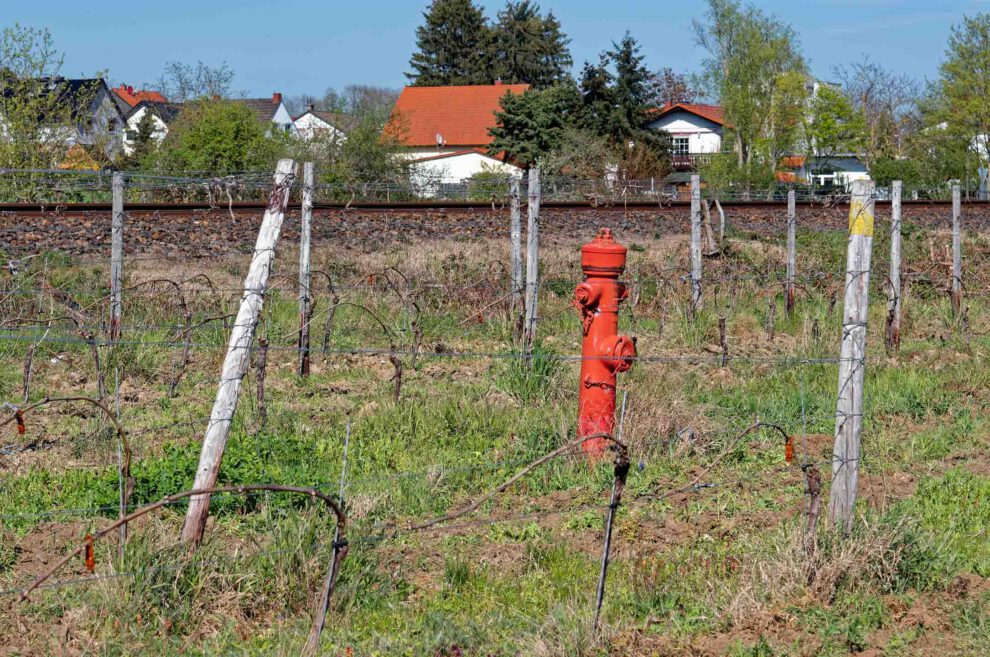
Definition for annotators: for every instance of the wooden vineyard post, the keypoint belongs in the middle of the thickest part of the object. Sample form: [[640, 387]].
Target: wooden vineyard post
[[532, 256], [696, 272], [235, 364], [791, 253], [305, 274], [892, 334], [852, 357], [956, 252], [721, 223], [117, 255], [515, 250]]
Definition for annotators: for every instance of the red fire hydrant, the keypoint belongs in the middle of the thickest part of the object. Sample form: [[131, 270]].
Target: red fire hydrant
[[605, 353]]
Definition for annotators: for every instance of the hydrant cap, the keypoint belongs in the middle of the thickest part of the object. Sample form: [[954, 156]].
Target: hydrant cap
[[603, 255]]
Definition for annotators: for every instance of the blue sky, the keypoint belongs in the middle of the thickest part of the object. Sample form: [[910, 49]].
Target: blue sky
[[306, 46]]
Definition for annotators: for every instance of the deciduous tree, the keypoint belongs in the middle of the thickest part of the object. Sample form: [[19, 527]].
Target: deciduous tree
[[756, 70], [181, 82], [672, 87], [961, 97], [885, 101], [36, 117], [833, 126], [219, 137]]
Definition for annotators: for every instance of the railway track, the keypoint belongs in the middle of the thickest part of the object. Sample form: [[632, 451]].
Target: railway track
[[28, 209]]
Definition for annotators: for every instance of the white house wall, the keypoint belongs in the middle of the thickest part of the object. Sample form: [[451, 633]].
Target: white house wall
[[159, 132], [842, 171], [283, 119], [309, 126], [427, 175], [704, 136]]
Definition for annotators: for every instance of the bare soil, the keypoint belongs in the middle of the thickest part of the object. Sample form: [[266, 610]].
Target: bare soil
[[218, 232]]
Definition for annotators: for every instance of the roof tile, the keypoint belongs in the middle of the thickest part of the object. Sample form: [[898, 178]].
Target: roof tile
[[714, 113], [461, 115], [133, 96]]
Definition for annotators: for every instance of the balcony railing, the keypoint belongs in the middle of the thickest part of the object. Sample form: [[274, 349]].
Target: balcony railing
[[690, 161]]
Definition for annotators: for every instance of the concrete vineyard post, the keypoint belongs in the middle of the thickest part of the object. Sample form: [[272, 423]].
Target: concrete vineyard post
[[957, 290], [791, 253], [532, 256], [238, 358], [696, 265], [893, 330], [852, 357], [305, 273], [117, 255]]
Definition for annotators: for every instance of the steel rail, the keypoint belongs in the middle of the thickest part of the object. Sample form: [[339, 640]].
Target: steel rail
[[444, 206]]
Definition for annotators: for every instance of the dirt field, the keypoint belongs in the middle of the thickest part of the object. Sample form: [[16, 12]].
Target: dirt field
[[209, 233], [711, 551]]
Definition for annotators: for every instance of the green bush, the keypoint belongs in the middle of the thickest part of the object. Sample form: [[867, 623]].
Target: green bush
[[219, 136], [487, 185]]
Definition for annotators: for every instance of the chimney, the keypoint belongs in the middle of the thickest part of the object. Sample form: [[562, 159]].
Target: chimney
[[498, 82], [276, 98], [130, 89], [310, 107]]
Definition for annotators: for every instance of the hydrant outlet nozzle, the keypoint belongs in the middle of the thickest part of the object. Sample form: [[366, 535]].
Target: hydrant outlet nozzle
[[623, 353]]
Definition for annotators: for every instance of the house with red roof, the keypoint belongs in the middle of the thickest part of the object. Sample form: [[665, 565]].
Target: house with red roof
[[696, 131], [444, 131], [126, 97]]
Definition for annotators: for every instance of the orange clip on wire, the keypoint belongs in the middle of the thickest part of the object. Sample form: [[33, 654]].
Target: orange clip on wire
[[90, 556], [19, 416], [789, 449]]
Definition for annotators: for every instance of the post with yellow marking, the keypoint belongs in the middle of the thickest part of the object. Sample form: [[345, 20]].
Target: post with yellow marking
[[852, 356]]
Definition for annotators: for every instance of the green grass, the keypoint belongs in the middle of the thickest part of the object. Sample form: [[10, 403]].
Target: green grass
[[710, 565]]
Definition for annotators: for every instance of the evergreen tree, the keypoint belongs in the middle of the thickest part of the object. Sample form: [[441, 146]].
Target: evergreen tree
[[142, 142], [631, 94], [617, 95], [597, 100], [452, 46], [604, 116], [531, 125], [527, 47]]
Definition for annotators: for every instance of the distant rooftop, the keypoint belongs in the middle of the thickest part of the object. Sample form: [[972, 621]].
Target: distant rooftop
[[460, 115], [127, 96]]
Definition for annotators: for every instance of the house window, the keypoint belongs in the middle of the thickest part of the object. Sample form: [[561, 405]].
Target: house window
[[680, 146], [112, 126]]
